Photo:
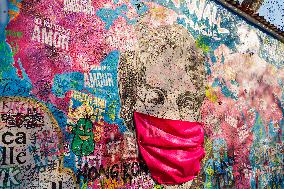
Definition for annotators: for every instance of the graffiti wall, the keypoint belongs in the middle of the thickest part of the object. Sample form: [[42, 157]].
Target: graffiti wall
[[73, 72]]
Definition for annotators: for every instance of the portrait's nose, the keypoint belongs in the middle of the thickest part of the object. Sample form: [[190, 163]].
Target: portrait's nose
[[171, 107], [171, 114]]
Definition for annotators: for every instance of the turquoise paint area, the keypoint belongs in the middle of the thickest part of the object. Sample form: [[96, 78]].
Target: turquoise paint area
[[266, 157], [66, 82], [224, 89], [139, 6], [109, 16]]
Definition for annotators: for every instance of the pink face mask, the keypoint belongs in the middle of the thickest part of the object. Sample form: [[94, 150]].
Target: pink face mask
[[172, 149]]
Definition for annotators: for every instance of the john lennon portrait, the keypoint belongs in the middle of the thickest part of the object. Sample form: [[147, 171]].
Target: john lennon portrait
[[164, 77]]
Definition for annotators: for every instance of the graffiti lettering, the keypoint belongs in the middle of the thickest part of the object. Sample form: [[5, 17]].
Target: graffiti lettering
[[93, 101], [8, 177], [30, 120], [79, 6], [127, 171], [44, 34], [98, 80], [9, 152]]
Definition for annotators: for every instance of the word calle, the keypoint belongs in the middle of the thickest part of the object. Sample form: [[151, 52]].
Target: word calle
[[8, 138]]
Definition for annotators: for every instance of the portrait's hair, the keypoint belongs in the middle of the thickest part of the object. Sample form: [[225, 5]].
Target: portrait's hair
[[151, 43]]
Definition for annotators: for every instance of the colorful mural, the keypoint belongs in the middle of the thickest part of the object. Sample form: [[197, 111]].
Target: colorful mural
[[73, 72]]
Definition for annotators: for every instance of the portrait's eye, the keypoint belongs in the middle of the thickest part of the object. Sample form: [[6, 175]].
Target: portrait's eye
[[186, 101], [156, 97], [81, 128]]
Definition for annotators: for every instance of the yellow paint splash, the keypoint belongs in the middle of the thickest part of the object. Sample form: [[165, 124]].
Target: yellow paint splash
[[211, 94]]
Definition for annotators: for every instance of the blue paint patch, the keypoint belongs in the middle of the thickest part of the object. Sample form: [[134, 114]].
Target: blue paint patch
[[10, 83], [224, 89], [66, 82], [139, 6], [76, 103], [264, 154], [110, 15], [60, 117], [208, 70]]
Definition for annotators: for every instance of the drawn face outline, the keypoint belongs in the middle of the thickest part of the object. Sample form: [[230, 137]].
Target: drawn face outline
[[83, 141], [84, 129]]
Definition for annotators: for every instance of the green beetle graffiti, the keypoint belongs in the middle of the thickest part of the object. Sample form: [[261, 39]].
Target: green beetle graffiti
[[83, 141]]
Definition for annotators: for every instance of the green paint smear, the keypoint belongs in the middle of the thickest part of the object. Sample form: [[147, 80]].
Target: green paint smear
[[203, 43]]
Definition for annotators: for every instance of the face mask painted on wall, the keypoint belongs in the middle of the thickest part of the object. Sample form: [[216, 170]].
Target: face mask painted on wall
[[83, 141], [172, 147]]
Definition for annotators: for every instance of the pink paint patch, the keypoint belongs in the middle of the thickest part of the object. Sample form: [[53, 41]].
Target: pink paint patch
[[54, 41]]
